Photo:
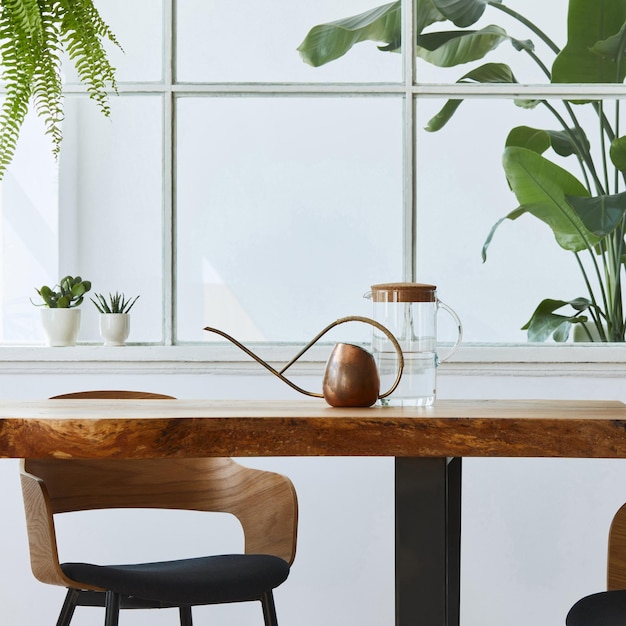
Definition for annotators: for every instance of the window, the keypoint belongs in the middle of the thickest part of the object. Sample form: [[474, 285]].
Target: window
[[235, 186]]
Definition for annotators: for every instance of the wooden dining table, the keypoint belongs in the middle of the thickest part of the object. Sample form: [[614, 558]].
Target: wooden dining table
[[428, 444]]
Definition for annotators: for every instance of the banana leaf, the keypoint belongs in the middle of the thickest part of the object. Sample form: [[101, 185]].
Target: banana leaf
[[544, 322], [601, 215], [487, 73], [589, 22], [613, 47], [450, 48], [541, 186], [531, 138], [463, 13], [566, 143], [618, 153], [327, 42], [513, 215]]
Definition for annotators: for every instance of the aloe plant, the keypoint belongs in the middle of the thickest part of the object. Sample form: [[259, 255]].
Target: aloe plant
[[116, 303], [33, 35], [585, 210], [69, 293]]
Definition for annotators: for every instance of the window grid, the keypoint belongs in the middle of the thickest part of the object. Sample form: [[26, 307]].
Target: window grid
[[408, 89]]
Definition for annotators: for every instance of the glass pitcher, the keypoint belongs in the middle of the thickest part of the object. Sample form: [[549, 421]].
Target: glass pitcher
[[409, 311]]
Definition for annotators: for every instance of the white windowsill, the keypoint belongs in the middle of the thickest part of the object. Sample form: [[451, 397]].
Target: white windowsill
[[470, 360]]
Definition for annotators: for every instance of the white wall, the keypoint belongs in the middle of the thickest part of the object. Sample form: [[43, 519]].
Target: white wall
[[534, 530]]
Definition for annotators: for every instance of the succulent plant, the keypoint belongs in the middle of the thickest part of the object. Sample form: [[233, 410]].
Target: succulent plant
[[116, 303], [67, 294]]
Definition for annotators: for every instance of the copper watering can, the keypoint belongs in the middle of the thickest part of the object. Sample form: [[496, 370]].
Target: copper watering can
[[351, 377]]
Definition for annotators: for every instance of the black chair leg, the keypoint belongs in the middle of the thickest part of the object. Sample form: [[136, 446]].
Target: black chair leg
[[185, 616], [69, 604], [269, 609], [112, 606]]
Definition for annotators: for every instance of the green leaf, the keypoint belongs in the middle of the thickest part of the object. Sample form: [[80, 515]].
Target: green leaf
[[450, 48], [327, 42], [602, 214], [564, 143], [531, 138], [613, 47], [541, 186], [63, 302], [544, 322], [463, 13], [78, 290], [426, 14], [437, 122], [589, 22], [572, 141], [513, 215], [618, 153], [487, 73]]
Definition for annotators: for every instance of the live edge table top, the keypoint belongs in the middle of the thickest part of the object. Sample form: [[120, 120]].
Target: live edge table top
[[197, 428]]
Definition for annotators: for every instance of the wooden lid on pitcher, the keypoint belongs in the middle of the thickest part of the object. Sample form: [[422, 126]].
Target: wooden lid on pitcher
[[404, 292]]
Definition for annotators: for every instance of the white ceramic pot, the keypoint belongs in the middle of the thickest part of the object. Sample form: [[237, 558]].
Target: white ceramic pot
[[579, 333], [61, 326], [114, 328]]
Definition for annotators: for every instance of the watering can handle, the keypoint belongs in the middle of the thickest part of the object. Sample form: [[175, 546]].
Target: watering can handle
[[355, 318], [343, 320]]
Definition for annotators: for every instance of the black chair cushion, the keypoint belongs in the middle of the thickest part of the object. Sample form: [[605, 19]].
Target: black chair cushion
[[607, 608], [204, 580]]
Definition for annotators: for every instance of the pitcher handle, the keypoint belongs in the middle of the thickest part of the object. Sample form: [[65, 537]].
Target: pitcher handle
[[459, 326]]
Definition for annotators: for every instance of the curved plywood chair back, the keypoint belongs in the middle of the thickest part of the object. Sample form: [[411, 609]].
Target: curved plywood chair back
[[112, 394], [264, 502], [616, 569]]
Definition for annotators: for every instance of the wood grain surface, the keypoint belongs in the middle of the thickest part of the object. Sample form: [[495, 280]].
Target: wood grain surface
[[198, 428]]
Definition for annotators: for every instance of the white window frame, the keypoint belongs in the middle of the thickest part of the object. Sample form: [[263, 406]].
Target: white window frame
[[470, 360]]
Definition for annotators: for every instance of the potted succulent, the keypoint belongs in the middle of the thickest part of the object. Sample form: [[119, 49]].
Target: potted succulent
[[586, 207], [60, 314], [114, 317]]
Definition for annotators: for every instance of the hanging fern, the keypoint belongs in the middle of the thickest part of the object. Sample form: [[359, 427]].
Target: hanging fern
[[33, 35]]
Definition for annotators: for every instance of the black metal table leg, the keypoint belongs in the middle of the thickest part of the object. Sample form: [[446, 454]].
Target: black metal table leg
[[428, 541]]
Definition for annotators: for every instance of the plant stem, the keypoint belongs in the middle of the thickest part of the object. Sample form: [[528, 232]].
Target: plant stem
[[592, 310], [582, 152], [603, 147], [535, 29]]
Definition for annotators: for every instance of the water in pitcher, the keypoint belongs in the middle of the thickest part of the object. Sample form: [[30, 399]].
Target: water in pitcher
[[418, 382], [409, 312]]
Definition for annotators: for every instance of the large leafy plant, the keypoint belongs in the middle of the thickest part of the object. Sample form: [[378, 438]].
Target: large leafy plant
[[33, 36], [585, 208]]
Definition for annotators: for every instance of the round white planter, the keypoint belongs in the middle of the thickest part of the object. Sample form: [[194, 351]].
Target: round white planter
[[61, 326], [114, 328]]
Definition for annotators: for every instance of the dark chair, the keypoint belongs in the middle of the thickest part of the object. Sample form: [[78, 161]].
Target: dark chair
[[264, 502], [607, 608]]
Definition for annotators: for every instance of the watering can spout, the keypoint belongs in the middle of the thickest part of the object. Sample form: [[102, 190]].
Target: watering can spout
[[350, 379]]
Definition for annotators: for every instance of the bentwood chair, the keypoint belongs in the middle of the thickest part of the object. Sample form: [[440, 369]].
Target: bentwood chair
[[265, 504], [607, 608]]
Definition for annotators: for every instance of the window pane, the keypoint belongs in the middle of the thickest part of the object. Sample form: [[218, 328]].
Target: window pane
[[463, 192], [550, 17], [29, 232], [288, 210], [138, 27], [224, 41], [111, 206]]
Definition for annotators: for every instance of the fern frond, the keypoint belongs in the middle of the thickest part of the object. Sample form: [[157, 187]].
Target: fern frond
[[33, 35], [19, 31], [83, 32]]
